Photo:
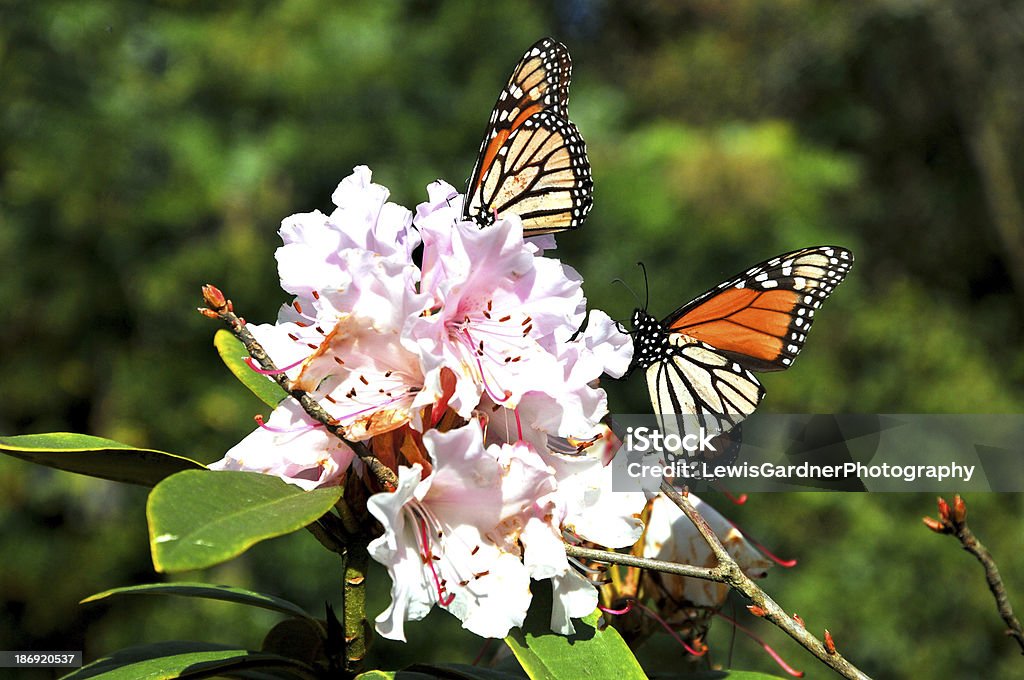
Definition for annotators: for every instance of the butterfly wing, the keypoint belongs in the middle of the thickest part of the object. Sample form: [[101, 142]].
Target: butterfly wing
[[699, 360], [533, 161], [695, 386], [761, 317]]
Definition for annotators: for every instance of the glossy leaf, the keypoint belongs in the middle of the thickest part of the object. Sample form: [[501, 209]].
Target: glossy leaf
[[448, 671], [165, 660], [719, 675], [589, 653], [208, 591], [232, 353], [97, 457], [198, 519]]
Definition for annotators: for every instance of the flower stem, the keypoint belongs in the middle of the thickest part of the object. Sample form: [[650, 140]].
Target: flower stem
[[357, 632]]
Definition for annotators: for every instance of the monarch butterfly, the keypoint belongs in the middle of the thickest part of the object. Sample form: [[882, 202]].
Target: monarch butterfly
[[700, 359], [533, 161]]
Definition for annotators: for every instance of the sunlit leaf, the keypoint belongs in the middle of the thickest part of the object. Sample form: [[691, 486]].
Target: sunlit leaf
[[97, 457], [448, 671], [718, 675], [232, 353], [589, 653], [198, 519]]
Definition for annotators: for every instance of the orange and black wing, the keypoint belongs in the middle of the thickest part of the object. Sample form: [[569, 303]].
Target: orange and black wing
[[761, 317], [533, 161]]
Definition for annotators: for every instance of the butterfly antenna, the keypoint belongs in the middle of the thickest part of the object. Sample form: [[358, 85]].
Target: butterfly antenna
[[626, 286], [647, 288]]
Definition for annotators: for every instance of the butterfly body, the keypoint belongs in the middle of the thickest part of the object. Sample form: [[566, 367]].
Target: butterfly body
[[700, 359], [533, 161]]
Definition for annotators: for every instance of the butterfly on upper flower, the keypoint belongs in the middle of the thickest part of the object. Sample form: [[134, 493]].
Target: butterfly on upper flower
[[533, 161]]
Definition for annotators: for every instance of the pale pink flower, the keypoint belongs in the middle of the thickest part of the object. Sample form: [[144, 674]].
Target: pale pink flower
[[574, 497], [499, 311], [354, 361], [437, 543], [292, 446], [308, 262]]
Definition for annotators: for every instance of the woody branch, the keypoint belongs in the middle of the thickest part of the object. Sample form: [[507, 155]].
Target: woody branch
[[727, 571]]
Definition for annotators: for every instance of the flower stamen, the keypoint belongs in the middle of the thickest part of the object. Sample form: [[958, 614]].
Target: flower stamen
[[785, 564], [665, 624], [444, 598], [281, 430], [262, 371], [764, 645], [617, 612]]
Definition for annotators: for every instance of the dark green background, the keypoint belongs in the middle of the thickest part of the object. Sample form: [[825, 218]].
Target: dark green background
[[150, 148]]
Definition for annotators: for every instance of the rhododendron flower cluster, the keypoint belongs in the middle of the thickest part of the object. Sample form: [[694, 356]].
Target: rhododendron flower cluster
[[455, 353]]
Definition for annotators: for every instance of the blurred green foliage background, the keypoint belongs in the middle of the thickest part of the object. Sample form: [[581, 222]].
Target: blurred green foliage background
[[148, 148]]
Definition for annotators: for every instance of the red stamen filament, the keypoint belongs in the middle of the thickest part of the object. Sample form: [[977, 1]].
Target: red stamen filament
[[617, 612], [468, 340], [483, 650], [252, 364], [304, 428], [771, 652], [719, 487], [666, 626], [785, 564], [443, 598]]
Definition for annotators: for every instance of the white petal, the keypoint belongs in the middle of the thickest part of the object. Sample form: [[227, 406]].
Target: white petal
[[574, 598]]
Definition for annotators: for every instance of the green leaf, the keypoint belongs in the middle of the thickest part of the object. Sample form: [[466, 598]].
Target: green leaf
[[97, 457], [165, 660], [211, 592], [198, 519], [589, 653], [297, 639], [454, 671], [716, 675], [232, 352], [446, 671]]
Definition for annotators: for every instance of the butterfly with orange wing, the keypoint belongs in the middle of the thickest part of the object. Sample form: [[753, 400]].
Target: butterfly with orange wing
[[700, 359], [533, 161]]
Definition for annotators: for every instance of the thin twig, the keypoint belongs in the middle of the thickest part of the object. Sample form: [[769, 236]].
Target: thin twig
[[737, 580], [953, 521], [220, 307], [627, 560], [730, 573]]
